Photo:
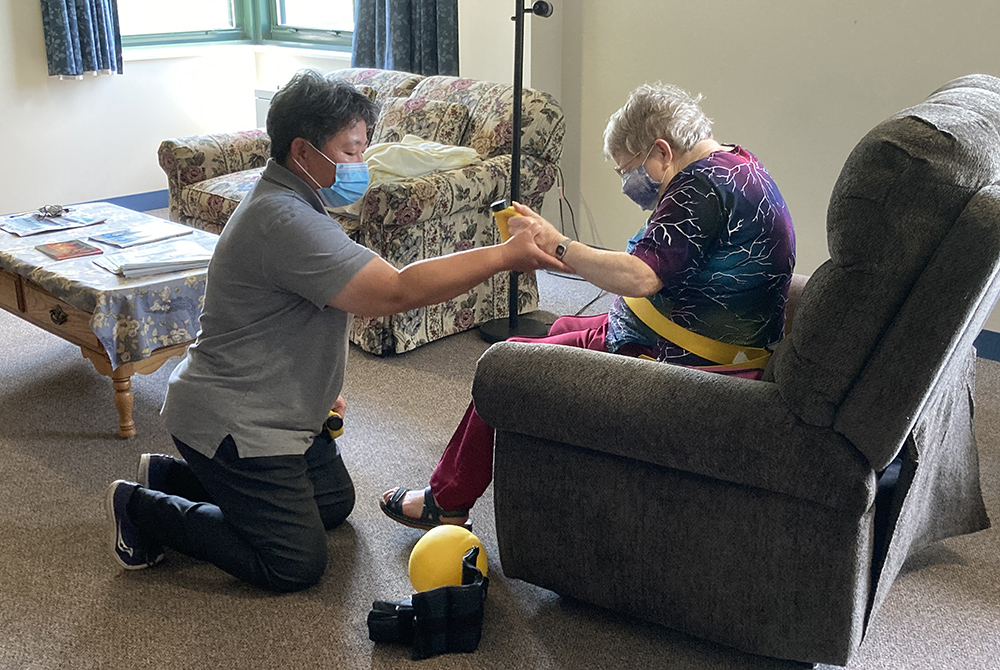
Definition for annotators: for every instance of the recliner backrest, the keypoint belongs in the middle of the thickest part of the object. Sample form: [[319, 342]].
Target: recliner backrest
[[893, 218]]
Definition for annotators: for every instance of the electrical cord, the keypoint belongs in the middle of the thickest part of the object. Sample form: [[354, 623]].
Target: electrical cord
[[560, 183], [596, 298]]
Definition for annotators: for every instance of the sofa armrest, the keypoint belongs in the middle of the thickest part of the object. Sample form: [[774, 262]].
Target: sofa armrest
[[189, 160], [395, 204], [727, 428]]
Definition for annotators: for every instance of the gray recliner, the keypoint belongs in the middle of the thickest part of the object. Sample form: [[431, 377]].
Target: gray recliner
[[745, 511]]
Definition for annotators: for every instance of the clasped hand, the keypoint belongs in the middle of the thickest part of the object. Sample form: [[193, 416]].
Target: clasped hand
[[532, 241], [544, 236]]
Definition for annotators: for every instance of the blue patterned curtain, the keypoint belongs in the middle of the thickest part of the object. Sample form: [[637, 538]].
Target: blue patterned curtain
[[82, 36], [419, 36]]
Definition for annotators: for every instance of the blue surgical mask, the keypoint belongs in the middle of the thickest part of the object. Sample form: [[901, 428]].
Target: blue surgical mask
[[349, 185], [642, 189]]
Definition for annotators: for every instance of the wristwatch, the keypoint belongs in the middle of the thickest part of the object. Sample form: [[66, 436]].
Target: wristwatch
[[561, 248]]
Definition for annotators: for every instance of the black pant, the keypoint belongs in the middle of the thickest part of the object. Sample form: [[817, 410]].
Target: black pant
[[263, 520]]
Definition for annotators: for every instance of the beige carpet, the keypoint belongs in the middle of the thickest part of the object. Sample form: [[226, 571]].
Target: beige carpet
[[63, 604]]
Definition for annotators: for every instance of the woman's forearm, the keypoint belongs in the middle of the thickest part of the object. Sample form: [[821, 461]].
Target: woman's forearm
[[613, 271]]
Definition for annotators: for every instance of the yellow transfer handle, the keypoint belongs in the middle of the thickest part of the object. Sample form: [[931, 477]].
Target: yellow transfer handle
[[723, 353], [334, 425], [501, 213]]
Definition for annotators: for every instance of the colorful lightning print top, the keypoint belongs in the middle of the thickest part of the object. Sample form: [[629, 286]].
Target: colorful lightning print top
[[721, 241]]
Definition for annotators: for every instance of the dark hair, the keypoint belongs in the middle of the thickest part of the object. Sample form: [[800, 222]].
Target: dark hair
[[314, 108]]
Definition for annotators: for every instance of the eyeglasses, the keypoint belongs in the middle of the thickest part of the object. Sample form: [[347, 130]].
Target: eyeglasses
[[620, 170]]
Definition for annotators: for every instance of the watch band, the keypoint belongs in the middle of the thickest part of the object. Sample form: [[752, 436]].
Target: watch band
[[561, 248]]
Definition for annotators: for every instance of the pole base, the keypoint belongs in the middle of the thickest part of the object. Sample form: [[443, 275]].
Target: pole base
[[499, 330]]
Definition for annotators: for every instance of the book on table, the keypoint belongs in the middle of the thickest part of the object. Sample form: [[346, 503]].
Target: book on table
[[70, 249], [33, 224], [145, 234], [175, 256]]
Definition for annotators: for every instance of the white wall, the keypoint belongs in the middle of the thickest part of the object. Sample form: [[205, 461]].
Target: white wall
[[71, 141], [275, 66], [486, 44], [486, 40]]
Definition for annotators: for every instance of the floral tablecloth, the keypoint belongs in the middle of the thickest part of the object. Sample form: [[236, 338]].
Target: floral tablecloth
[[131, 317]]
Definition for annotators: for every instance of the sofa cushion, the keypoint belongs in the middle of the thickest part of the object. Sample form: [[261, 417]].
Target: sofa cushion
[[369, 92], [213, 201], [433, 120], [387, 83], [490, 105]]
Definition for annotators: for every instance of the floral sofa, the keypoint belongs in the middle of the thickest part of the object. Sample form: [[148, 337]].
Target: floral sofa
[[407, 220]]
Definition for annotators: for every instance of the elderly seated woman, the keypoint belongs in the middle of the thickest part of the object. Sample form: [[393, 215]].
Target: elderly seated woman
[[703, 283]]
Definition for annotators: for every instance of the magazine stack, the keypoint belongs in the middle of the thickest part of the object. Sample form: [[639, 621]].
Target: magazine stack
[[176, 256]]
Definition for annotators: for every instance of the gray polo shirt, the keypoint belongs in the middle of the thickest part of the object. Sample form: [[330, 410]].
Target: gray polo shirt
[[269, 360]]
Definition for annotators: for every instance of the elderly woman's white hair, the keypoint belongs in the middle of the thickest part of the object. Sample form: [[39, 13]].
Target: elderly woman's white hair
[[652, 112]]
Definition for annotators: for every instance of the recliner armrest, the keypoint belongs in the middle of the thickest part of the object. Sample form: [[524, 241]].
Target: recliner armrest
[[727, 428]]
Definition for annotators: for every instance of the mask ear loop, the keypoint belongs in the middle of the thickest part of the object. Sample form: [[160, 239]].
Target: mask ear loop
[[306, 171], [329, 160], [662, 177]]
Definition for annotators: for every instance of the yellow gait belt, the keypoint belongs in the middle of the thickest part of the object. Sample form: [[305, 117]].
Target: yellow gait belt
[[723, 353]]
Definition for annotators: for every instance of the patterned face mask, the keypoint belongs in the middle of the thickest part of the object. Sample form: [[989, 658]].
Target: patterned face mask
[[640, 188]]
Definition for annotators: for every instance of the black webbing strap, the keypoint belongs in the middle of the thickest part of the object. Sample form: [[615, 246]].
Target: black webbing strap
[[444, 620]]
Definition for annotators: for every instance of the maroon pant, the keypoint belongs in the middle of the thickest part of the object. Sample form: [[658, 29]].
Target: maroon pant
[[466, 467]]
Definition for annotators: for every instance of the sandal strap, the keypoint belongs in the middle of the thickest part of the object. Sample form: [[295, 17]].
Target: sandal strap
[[395, 502], [431, 511], [434, 513]]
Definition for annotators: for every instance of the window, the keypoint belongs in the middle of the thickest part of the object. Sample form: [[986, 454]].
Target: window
[[325, 15], [180, 16], [308, 22], [327, 24]]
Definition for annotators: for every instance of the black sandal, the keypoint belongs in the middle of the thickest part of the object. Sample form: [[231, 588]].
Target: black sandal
[[431, 514]]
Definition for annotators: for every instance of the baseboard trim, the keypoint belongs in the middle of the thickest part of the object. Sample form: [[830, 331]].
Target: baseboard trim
[[988, 345], [139, 202]]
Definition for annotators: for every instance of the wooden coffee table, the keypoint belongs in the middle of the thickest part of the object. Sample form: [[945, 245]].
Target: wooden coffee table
[[135, 319]]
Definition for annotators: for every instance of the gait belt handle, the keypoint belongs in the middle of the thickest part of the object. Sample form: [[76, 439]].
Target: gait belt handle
[[723, 353]]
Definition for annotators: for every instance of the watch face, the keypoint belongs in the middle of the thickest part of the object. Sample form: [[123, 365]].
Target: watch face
[[561, 249]]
